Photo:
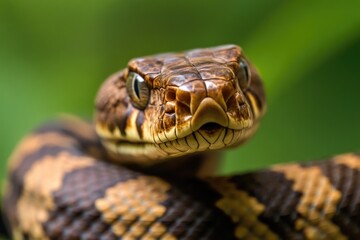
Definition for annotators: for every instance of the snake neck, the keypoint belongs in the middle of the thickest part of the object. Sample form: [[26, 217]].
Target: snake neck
[[199, 165]]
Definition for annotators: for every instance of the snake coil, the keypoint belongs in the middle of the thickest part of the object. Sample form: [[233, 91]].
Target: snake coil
[[144, 168]]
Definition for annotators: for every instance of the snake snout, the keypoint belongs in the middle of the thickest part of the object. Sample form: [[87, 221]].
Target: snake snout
[[209, 116]]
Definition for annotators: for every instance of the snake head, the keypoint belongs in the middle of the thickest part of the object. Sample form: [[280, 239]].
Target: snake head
[[174, 104]]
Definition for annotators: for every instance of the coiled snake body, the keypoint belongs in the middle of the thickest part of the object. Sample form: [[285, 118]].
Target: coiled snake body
[[145, 172]]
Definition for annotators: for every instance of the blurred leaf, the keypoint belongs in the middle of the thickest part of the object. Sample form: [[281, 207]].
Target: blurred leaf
[[299, 36]]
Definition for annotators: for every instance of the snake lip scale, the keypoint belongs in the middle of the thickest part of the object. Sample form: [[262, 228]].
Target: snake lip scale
[[211, 140], [144, 169]]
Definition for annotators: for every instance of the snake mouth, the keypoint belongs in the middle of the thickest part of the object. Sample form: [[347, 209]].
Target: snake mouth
[[210, 136], [211, 127]]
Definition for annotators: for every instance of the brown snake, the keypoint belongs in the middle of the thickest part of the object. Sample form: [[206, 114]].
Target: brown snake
[[145, 170]]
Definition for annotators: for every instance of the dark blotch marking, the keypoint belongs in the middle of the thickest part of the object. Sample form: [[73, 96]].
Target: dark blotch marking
[[275, 192], [139, 121], [121, 120], [4, 229], [16, 178], [346, 180], [191, 213], [75, 214], [189, 203]]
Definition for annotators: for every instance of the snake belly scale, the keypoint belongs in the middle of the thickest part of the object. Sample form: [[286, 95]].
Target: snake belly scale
[[141, 171]]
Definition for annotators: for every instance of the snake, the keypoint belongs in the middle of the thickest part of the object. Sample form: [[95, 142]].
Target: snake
[[145, 167]]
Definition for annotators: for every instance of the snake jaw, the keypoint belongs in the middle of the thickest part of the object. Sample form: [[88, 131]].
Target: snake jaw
[[149, 153]]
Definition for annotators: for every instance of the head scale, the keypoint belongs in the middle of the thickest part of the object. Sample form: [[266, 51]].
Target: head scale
[[174, 104]]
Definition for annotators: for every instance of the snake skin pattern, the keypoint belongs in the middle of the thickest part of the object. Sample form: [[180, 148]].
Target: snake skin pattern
[[85, 197], [65, 180]]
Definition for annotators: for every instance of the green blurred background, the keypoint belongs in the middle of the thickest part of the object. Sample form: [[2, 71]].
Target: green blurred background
[[55, 54]]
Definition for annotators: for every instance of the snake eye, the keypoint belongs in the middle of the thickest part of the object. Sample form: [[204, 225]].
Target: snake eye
[[138, 90], [243, 75]]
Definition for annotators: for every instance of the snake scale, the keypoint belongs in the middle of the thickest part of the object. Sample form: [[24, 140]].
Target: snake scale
[[145, 170]]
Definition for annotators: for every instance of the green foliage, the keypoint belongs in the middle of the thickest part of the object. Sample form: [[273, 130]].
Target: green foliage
[[54, 55]]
